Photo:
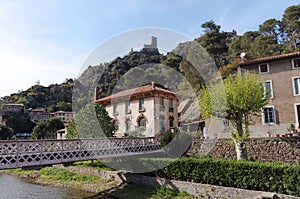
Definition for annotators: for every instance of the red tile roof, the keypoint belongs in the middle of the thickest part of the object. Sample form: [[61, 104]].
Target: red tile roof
[[270, 58], [139, 90]]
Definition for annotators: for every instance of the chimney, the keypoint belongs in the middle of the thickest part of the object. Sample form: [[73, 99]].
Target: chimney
[[96, 93], [238, 58], [153, 85]]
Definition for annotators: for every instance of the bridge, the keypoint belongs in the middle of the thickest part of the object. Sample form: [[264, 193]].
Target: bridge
[[27, 153]]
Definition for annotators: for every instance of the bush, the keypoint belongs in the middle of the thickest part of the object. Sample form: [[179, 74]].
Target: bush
[[167, 137], [272, 177]]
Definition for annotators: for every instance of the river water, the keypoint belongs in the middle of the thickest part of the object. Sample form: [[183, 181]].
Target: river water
[[14, 188]]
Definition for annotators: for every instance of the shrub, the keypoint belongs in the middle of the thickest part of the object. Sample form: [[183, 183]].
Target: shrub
[[273, 177]]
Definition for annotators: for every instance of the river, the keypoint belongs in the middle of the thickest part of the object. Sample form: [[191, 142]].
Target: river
[[14, 188]]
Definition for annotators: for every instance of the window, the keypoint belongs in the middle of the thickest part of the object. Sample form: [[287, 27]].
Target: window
[[171, 109], [296, 82], [161, 103], [263, 68], [127, 107], [268, 90], [115, 107], [141, 104], [171, 122], [269, 115], [127, 127], [115, 123], [162, 126], [142, 122], [296, 63]]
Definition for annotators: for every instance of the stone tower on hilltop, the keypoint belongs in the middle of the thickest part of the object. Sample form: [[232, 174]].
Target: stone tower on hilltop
[[151, 48]]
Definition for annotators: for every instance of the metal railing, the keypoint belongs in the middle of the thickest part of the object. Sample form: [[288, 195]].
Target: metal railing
[[24, 153]]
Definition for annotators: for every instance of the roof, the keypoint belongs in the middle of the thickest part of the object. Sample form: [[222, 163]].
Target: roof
[[270, 58], [60, 111], [139, 90], [37, 110], [22, 105]]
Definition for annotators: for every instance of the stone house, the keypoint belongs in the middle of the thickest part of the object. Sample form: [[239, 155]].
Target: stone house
[[39, 115], [64, 116], [281, 76], [147, 111], [12, 108]]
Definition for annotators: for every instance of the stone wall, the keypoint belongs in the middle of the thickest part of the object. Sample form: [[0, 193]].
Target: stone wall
[[204, 191], [285, 150]]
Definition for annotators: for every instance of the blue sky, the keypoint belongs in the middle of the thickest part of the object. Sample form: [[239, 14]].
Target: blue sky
[[50, 40]]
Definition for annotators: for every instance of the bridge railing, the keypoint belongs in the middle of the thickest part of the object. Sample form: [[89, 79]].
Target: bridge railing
[[23, 153]]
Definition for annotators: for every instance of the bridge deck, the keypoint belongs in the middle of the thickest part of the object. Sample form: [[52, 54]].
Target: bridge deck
[[24, 153]]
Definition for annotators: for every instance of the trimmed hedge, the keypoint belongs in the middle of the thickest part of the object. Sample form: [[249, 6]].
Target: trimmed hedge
[[272, 177]]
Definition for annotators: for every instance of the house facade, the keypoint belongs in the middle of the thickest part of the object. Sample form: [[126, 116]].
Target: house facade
[[64, 116], [281, 76], [39, 115], [147, 111]]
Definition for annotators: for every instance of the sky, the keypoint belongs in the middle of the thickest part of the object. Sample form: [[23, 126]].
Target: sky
[[50, 40]]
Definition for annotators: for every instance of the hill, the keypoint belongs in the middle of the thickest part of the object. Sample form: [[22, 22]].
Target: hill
[[53, 97]]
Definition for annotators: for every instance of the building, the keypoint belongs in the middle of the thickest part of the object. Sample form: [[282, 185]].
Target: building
[[64, 116], [281, 76], [153, 43], [39, 115], [12, 108], [147, 111], [151, 49]]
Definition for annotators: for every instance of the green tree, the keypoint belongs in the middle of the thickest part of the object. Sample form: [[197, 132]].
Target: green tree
[[244, 96], [64, 106], [272, 28], [71, 130], [93, 121], [214, 41], [243, 44], [22, 100], [6, 132], [20, 122], [291, 26], [47, 129]]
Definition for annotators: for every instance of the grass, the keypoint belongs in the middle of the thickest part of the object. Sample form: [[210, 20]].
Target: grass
[[65, 175], [55, 175], [94, 164], [137, 191]]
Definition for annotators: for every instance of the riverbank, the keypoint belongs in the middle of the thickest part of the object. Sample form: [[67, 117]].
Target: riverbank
[[63, 177], [100, 183]]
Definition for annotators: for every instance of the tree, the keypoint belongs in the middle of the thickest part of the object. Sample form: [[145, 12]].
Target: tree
[[6, 132], [20, 122], [243, 44], [64, 106], [93, 121], [214, 41], [71, 130], [272, 28], [291, 26], [47, 129], [243, 97]]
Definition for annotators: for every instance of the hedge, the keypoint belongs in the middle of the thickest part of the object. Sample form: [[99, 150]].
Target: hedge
[[271, 177]]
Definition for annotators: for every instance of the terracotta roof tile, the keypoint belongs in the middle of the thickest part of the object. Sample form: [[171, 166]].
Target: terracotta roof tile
[[134, 91], [270, 58]]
